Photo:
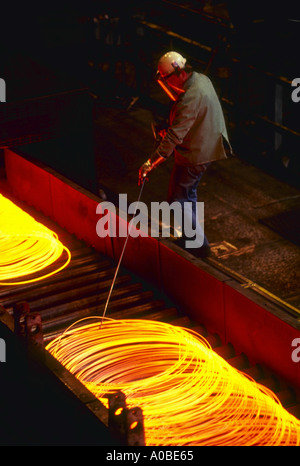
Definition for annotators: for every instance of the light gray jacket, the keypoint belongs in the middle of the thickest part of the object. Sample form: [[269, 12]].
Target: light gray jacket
[[197, 127]]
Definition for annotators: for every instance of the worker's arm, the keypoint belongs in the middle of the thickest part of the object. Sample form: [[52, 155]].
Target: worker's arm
[[185, 112]]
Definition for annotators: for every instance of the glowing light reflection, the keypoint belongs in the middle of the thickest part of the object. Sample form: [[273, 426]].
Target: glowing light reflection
[[189, 395], [26, 246], [167, 91]]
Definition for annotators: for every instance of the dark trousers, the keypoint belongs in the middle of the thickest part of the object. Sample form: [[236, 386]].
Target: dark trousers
[[183, 186]]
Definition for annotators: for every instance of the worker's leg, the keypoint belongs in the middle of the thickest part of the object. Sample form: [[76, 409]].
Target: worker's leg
[[183, 186]]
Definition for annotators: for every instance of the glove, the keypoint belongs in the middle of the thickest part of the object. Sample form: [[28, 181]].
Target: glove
[[144, 170], [148, 166]]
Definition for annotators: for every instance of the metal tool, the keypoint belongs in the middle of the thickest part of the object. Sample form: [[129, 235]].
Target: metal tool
[[122, 254]]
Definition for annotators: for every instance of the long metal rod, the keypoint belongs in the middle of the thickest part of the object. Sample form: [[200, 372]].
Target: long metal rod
[[122, 254]]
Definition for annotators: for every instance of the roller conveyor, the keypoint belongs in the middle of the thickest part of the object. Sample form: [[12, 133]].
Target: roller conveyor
[[81, 291]]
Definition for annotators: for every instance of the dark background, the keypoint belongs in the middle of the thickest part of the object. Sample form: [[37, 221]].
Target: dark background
[[59, 58]]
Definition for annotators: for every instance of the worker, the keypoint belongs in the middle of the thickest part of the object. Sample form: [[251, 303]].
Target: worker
[[196, 135]]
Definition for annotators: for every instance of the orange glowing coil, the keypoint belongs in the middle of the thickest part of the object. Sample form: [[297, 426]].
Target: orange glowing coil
[[189, 395], [26, 246]]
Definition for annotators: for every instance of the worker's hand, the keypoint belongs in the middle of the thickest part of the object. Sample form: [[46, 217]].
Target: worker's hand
[[144, 170], [154, 161]]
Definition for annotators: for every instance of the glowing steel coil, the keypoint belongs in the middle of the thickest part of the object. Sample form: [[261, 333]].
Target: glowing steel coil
[[26, 246], [189, 395]]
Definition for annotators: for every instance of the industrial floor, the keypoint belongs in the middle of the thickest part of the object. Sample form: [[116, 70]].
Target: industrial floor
[[236, 195]]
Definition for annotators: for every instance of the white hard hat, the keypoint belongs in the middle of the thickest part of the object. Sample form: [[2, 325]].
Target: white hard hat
[[169, 63]]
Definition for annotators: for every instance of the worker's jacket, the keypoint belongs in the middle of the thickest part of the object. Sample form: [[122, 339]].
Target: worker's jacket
[[197, 132]]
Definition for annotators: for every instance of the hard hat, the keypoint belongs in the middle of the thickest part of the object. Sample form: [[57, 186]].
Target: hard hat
[[169, 63]]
